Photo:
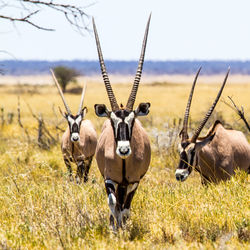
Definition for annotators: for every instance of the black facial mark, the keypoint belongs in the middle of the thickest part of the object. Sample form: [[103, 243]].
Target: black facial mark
[[123, 133], [74, 128], [122, 113], [183, 161], [184, 144]]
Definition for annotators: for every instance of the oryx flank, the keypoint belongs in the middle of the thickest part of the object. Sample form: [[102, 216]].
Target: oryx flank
[[215, 156], [123, 150], [79, 140]]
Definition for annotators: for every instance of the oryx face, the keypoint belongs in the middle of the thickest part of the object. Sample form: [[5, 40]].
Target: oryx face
[[74, 126], [187, 161], [188, 156], [74, 122], [122, 122]]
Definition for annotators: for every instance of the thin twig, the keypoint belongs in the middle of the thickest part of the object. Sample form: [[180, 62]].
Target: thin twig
[[238, 111], [19, 119]]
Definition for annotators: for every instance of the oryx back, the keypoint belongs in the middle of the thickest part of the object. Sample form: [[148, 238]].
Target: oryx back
[[228, 151]]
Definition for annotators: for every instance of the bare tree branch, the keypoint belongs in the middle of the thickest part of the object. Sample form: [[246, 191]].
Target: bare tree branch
[[75, 15], [238, 111]]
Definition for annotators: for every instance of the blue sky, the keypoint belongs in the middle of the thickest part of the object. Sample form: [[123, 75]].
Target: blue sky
[[180, 30]]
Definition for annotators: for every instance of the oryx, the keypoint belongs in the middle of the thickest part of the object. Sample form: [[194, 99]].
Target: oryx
[[79, 140], [123, 150], [215, 156]]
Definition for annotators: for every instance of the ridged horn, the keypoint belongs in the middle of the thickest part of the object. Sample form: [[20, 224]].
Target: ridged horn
[[82, 98], [131, 99], [184, 132], [60, 92], [110, 92], [210, 111]]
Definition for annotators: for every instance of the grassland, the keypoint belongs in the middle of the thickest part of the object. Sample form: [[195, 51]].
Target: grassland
[[40, 208]]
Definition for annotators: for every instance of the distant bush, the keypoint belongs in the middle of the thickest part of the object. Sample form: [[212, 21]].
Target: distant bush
[[65, 75]]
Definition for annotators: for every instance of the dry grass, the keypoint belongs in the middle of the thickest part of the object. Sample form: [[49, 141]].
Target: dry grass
[[39, 208]]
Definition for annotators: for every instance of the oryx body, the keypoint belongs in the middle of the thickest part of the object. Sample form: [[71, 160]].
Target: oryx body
[[227, 151], [79, 140], [215, 156], [123, 150], [112, 166]]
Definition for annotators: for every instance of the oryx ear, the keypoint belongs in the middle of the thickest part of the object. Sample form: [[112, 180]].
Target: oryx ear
[[101, 110], [84, 111], [64, 114], [201, 144], [142, 109]]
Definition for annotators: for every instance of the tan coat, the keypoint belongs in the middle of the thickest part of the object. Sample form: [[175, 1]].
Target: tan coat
[[227, 151], [85, 147], [110, 164]]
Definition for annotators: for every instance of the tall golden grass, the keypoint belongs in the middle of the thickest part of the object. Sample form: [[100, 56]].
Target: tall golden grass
[[40, 208]]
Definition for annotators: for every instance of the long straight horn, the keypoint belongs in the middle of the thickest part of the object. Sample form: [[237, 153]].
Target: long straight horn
[[110, 92], [184, 132], [132, 96], [210, 111], [82, 98], [60, 92]]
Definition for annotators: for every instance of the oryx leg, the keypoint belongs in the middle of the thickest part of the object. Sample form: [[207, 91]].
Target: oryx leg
[[121, 194], [68, 165], [131, 189], [111, 188], [80, 171], [87, 164]]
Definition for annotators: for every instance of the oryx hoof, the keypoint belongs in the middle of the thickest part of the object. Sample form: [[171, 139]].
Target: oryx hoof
[[125, 215], [112, 223], [78, 180], [86, 179], [71, 179]]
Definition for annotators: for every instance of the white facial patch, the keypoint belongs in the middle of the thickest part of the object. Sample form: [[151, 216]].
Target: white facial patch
[[71, 121], [180, 148], [123, 149], [181, 174], [116, 120], [75, 137], [78, 120], [128, 120]]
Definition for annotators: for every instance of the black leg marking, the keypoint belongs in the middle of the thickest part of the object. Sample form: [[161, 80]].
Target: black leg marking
[[129, 199], [112, 202], [80, 171], [87, 163], [68, 165], [111, 220], [131, 189], [121, 195]]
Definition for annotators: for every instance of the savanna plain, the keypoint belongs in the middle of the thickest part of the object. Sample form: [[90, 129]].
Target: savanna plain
[[41, 209]]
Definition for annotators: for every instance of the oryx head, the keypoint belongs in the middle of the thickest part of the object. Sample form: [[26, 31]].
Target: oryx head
[[74, 121], [122, 118], [189, 148]]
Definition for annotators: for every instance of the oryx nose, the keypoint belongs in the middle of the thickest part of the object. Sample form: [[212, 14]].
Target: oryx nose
[[75, 138], [178, 177], [124, 150]]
